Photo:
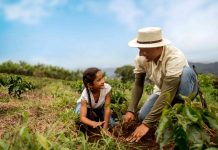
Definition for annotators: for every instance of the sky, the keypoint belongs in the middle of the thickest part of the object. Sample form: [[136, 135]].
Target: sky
[[78, 34]]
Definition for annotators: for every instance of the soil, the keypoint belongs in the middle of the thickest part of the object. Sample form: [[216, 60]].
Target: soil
[[121, 131]]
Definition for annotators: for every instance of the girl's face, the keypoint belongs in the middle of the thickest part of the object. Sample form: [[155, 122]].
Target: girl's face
[[99, 81]]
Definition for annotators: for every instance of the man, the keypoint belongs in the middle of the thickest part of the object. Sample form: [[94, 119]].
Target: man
[[167, 67]]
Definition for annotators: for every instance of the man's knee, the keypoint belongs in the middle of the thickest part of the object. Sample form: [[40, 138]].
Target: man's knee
[[188, 77], [188, 84]]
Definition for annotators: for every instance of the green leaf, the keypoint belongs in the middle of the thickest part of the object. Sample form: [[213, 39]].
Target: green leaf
[[183, 121], [178, 107], [211, 119], [212, 122], [23, 131], [186, 99], [181, 138], [212, 148], [43, 141], [197, 136], [3, 145], [198, 146], [164, 122], [191, 114], [167, 137]]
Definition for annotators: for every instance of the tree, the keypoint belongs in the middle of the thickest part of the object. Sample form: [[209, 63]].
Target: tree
[[125, 73]]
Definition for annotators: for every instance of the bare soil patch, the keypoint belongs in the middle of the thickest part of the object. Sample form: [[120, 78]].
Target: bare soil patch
[[121, 131]]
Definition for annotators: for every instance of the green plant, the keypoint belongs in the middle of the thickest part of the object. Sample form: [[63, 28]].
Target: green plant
[[16, 85], [118, 103], [125, 73], [149, 88], [77, 86], [39, 70], [187, 126], [208, 87]]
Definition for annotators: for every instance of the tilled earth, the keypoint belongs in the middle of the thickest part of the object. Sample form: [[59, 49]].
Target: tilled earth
[[121, 131]]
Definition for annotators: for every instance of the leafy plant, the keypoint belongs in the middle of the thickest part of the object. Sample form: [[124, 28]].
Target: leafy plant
[[77, 86], [187, 126], [118, 103], [125, 73], [149, 88], [208, 87], [16, 85]]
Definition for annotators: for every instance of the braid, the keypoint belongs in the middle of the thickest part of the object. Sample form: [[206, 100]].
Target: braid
[[88, 78], [89, 97]]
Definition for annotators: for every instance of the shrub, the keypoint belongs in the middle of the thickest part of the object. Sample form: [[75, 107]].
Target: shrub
[[187, 126], [16, 85]]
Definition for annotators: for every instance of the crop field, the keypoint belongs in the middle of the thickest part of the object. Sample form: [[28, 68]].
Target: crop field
[[37, 113]]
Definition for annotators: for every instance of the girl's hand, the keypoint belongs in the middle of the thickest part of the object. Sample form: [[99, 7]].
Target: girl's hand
[[96, 124]]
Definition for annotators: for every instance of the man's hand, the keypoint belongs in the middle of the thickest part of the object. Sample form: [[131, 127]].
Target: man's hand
[[96, 124], [128, 117], [139, 132]]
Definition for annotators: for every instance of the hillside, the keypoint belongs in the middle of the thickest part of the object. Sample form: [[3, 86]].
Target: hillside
[[200, 68], [206, 67]]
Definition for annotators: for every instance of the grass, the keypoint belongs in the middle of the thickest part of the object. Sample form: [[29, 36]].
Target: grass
[[44, 119]]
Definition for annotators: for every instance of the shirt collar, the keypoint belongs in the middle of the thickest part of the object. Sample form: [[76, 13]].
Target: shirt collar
[[162, 54]]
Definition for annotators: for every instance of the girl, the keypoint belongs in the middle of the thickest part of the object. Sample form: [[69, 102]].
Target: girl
[[94, 103]]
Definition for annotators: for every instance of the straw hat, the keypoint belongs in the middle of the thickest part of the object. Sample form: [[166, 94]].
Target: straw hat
[[149, 37]]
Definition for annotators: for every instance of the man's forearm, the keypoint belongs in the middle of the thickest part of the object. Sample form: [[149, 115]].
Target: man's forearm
[[168, 92], [137, 92]]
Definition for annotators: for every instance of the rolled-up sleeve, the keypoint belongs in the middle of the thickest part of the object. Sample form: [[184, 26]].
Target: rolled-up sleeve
[[140, 64], [168, 92]]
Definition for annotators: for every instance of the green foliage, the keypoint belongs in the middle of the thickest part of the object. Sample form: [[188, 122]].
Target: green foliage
[[206, 80], [118, 103], [25, 139], [16, 85], [180, 138], [116, 84], [119, 97], [40, 70], [185, 125], [77, 86], [208, 87], [125, 73], [149, 88], [22, 138]]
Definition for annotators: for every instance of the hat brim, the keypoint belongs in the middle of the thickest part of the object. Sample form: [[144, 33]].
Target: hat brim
[[134, 43]]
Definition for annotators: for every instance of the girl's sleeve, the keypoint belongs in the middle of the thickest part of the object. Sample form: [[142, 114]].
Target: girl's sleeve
[[108, 88], [84, 95]]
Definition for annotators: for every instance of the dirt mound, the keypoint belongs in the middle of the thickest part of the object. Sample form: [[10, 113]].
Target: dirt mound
[[122, 131]]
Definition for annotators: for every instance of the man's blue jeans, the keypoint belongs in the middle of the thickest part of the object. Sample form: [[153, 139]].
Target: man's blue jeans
[[188, 85]]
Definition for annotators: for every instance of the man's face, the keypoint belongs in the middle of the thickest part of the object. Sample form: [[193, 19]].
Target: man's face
[[151, 54]]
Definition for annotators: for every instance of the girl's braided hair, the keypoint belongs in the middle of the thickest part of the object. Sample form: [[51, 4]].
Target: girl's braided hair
[[89, 76]]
